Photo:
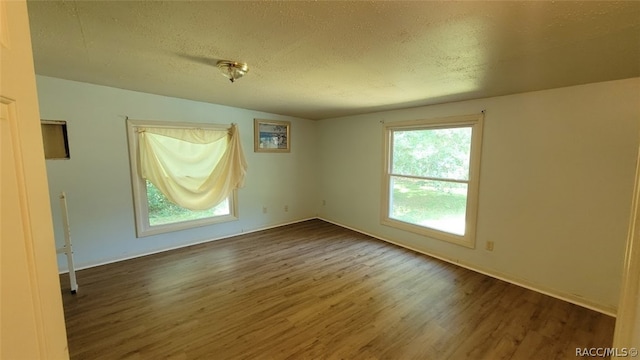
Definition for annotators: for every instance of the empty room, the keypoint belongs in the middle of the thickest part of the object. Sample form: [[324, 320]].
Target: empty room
[[320, 180]]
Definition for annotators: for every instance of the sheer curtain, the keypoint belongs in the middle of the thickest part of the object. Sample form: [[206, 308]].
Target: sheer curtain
[[194, 168]]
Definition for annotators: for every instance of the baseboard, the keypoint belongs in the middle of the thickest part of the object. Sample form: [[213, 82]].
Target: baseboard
[[604, 309], [186, 245]]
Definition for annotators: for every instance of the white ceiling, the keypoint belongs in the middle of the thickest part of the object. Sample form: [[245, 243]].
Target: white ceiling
[[319, 60]]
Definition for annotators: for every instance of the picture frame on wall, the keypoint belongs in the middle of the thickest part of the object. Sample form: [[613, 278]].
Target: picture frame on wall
[[271, 136]]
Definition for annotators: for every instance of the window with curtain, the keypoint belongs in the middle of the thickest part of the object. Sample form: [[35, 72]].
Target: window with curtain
[[184, 175], [431, 177]]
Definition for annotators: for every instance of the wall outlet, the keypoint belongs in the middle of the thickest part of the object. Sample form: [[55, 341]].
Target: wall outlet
[[264, 210], [324, 202], [489, 245], [286, 208]]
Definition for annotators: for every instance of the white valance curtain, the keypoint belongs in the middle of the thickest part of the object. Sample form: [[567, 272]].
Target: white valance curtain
[[193, 168]]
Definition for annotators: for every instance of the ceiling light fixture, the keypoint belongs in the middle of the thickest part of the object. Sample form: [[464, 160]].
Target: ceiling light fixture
[[232, 70]]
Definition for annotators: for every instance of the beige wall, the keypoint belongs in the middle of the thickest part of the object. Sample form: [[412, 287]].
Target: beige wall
[[556, 180], [31, 314]]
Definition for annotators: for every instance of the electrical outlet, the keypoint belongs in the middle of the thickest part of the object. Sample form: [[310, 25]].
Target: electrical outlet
[[264, 210], [286, 208], [324, 202], [489, 245]]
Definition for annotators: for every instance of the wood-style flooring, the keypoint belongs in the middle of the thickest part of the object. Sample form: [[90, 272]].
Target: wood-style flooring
[[314, 290]]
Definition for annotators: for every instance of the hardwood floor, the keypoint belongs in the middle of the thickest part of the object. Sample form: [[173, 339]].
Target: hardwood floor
[[314, 290]]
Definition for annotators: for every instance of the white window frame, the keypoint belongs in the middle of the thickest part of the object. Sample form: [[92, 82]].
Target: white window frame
[[139, 187], [475, 122]]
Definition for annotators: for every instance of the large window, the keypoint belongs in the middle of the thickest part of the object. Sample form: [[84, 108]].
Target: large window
[[183, 175], [431, 177]]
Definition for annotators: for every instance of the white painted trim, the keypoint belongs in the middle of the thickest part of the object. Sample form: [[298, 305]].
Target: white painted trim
[[476, 123], [628, 322], [242, 232], [574, 299]]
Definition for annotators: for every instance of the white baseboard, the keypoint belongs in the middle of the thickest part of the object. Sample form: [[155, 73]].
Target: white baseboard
[[574, 299], [186, 245]]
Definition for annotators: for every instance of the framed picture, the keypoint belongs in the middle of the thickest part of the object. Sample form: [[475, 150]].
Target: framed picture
[[271, 136]]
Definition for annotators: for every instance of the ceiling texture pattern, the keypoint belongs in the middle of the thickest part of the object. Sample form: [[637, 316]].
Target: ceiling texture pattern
[[319, 60]]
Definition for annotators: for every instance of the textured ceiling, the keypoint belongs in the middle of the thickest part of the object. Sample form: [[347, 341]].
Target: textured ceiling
[[319, 60]]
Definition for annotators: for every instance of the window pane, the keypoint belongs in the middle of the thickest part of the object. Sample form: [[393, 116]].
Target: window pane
[[437, 153], [162, 211], [439, 205]]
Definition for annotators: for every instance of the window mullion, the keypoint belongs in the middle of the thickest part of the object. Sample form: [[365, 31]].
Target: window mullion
[[460, 181]]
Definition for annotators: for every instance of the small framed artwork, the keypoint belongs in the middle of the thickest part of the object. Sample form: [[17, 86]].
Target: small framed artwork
[[271, 136]]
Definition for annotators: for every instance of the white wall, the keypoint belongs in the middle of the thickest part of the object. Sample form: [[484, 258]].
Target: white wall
[[555, 186], [556, 181], [97, 177]]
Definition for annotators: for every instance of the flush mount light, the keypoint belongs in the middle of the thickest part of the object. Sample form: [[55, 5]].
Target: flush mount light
[[232, 70]]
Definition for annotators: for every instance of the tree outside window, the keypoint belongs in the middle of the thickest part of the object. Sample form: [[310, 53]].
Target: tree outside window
[[431, 177]]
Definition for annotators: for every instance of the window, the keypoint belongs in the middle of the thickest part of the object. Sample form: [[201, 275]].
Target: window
[[431, 177], [183, 175]]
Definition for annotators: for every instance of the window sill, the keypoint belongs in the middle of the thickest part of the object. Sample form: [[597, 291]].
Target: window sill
[[466, 240]]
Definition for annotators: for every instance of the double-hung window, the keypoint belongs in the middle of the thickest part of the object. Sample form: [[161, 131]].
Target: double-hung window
[[431, 173], [184, 175]]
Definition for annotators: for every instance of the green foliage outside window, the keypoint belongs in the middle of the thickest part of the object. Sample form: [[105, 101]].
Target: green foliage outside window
[[430, 170], [435, 153], [163, 211]]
